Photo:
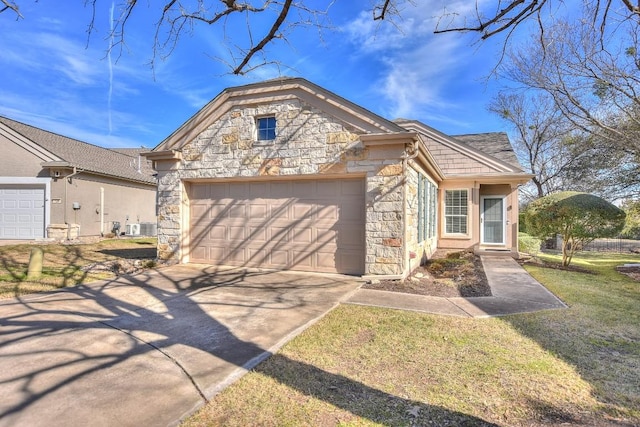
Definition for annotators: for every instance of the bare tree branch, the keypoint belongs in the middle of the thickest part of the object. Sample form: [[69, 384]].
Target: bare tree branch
[[379, 12], [517, 12], [511, 16], [270, 36], [10, 5]]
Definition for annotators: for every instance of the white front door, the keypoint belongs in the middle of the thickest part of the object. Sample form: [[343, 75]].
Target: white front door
[[492, 217]]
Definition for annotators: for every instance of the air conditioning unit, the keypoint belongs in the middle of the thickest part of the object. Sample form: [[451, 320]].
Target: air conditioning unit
[[148, 229], [132, 230]]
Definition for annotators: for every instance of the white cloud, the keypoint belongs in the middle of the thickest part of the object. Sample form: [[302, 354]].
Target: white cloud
[[69, 58], [416, 20], [415, 65], [413, 80]]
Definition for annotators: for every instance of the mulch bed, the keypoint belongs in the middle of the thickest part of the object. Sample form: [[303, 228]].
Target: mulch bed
[[459, 274], [539, 263], [631, 271]]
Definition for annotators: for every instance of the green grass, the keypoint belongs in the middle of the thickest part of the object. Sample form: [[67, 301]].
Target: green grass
[[63, 264], [363, 366]]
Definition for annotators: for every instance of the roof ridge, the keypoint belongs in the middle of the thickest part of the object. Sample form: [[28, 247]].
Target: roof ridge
[[55, 134]]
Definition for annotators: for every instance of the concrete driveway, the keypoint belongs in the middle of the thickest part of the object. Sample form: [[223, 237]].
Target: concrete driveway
[[148, 349]]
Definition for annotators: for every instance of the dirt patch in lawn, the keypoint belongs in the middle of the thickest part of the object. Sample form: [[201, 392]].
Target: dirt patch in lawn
[[457, 274], [631, 271]]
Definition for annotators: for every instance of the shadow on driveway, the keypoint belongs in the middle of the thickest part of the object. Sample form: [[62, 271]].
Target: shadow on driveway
[[150, 349], [145, 350]]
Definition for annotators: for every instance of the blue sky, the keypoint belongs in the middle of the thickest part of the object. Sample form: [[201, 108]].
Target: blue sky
[[53, 77]]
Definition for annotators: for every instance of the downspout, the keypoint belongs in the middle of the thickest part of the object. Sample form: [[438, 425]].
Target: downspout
[[101, 211], [67, 179], [409, 154]]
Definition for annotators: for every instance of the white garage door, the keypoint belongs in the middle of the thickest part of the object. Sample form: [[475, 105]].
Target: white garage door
[[298, 225], [21, 212]]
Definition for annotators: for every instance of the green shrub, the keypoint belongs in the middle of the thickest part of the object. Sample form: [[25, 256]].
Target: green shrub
[[529, 244], [631, 228], [522, 223], [578, 218]]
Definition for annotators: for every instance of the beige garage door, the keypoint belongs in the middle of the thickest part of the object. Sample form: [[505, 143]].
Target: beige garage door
[[298, 225]]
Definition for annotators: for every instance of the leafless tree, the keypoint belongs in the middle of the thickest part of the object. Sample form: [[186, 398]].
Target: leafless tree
[[561, 156], [594, 86], [541, 139], [264, 21]]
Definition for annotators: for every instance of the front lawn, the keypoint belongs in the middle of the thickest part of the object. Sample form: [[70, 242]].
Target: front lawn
[[67, 265], [364, 366]]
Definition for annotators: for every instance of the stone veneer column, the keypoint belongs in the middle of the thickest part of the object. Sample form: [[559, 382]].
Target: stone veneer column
[[384, 221], [169, 218]]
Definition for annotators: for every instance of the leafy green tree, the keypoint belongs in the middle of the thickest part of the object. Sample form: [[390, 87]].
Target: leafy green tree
[[578, 218], [632, 223]]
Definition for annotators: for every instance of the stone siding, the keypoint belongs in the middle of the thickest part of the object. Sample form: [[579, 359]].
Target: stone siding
[[308, 142]]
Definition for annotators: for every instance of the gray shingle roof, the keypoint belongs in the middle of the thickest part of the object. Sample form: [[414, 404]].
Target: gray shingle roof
[[496, 144], [119, 163]]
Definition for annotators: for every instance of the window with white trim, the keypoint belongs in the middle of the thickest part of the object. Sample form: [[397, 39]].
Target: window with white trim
[[266, 127], [456, 211]]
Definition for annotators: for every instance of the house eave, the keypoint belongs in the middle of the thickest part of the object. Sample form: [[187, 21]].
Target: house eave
[[427, 158], [163, 155], [67, 165], [388, 138], [519, 179]]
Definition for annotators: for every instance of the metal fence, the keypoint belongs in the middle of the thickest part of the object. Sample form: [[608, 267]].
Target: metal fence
[[613, 245]]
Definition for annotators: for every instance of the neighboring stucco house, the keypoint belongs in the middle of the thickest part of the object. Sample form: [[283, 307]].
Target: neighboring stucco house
[[284, 174], [52, 186]]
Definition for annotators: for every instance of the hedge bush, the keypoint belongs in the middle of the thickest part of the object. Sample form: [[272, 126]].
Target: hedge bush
[[529, 244]]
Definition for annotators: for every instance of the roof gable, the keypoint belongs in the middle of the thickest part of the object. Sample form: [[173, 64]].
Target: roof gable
[[457, 158], [496, 144], [275, 90], [58, 150]]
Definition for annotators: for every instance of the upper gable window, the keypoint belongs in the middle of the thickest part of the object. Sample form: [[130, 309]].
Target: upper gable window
[[266, 128]]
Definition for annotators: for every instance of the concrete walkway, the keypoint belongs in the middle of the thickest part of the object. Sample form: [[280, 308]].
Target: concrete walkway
[[513, 291]]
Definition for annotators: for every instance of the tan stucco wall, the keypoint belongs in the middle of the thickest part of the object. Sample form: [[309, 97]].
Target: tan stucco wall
[[476, 190], [16, 161], [473, 226], [122, 199]]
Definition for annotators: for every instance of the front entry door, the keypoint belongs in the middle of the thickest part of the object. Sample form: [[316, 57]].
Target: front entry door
[[493, 221]]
